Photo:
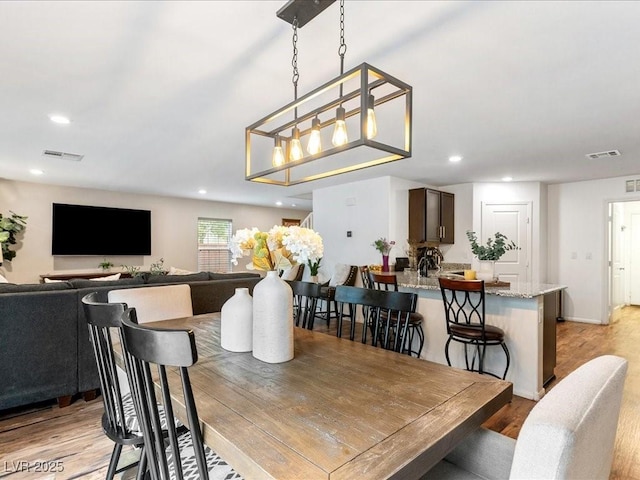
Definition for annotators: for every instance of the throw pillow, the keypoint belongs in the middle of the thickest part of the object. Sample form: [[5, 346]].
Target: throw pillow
[[179, 271], [3, 280], [115, 276], [290, 273], [340, 274]]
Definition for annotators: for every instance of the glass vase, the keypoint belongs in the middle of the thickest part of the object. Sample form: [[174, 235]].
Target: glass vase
[[385, 263]]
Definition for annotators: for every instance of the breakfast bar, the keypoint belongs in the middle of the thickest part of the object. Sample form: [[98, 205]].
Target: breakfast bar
[[526, 312]]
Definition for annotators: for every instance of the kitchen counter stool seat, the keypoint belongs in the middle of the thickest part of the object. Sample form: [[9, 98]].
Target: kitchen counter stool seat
[[464, 308]]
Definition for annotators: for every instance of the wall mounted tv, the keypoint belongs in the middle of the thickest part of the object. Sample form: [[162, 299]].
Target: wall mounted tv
[[87, 230]]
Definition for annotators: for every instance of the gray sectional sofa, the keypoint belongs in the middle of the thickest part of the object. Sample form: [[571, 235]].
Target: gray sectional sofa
[[45, 352]]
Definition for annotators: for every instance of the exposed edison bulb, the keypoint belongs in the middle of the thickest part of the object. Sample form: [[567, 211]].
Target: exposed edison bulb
[[295, 148], [277, 159], [372, 128], [315, 142], [340, 136]]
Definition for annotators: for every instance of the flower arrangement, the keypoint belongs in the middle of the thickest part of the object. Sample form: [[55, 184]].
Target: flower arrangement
[[494, 249], [277, 249], [383, 246]]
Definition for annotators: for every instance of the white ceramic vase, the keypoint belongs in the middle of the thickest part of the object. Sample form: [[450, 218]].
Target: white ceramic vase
[[236, 322], [486, 270], [272, 320]]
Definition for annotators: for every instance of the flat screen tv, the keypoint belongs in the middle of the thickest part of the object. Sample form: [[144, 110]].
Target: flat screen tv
[[87, 230]]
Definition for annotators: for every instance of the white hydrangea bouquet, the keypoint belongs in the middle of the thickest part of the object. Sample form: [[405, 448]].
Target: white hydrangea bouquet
[[278, 249]]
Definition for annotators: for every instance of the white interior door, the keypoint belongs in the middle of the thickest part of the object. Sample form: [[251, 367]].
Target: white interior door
[[634, 274], [514, 221]]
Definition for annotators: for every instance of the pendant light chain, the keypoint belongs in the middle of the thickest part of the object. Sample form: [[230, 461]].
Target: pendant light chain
[[294, 63], [343, 46]]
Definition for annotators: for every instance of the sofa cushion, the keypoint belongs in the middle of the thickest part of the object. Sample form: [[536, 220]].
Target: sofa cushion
[[84, 283], [108, 278], [194, 277], [340, 274], [291, 273], [179, 271], [33, 287]]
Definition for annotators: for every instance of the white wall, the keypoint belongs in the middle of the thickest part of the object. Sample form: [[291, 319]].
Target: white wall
[[531, 192], [577, 224], [173, 223], [370, 209]]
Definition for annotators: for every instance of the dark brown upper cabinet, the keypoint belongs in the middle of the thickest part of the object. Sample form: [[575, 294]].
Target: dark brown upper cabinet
[[431, 215]]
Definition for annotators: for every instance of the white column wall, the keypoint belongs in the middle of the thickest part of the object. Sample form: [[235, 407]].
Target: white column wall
[[370, 209]]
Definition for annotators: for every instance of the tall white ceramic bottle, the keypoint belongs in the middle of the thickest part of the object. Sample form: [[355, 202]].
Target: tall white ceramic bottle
[[272, 320]]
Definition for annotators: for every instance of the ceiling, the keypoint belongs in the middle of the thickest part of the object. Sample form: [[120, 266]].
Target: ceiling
[[160, 93]]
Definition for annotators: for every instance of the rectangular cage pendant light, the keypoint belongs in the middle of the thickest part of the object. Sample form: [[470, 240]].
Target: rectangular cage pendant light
[[377, 113]]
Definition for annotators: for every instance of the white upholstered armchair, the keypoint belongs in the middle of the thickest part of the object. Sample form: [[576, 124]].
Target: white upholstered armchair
[[569, 434]]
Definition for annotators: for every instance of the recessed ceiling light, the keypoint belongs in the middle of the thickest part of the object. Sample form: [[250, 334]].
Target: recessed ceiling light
[[455, 158], [507, 179], [202, 191], [279, 203], [36, 171], [61, 119], [293, 205]]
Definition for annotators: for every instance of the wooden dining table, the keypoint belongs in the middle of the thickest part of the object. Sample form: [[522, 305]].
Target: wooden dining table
[[338, 410]]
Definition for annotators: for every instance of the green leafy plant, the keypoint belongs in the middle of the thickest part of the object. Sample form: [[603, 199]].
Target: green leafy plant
[[157, 268], [105, 264], [494, 249], [9, 228], [314, 266], [383, 245], [131, 270]]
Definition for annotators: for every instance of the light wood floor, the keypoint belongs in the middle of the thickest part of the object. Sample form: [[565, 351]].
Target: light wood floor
[[73, 435]]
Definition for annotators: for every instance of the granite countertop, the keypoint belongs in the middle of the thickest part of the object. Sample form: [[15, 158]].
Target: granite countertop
[[516, 290]]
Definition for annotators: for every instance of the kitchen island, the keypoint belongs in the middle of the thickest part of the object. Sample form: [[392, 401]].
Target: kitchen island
[[526, 312]]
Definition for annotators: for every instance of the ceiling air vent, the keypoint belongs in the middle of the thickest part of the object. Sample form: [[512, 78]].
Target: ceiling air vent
[[610, 153], [63, 155]]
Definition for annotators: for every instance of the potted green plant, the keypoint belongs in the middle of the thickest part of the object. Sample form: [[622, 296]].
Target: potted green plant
[[9, 228], [314, 266], [105, 265], [489, 253]]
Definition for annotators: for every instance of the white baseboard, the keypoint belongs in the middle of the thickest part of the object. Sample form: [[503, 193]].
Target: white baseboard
[[584, 320]]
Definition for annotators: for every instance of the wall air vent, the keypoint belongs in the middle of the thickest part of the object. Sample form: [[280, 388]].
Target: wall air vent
[[62, 155], [610, 153]]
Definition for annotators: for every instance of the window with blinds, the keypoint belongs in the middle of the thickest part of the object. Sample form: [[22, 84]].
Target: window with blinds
[[213, 245]]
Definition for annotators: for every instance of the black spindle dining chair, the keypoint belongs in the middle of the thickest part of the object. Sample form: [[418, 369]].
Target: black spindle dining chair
[[388, 314], [119, 421], [389, 282], [305, 302], [149, 350]]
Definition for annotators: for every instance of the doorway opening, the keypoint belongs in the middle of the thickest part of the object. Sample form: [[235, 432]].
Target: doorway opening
[[624, 255]]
